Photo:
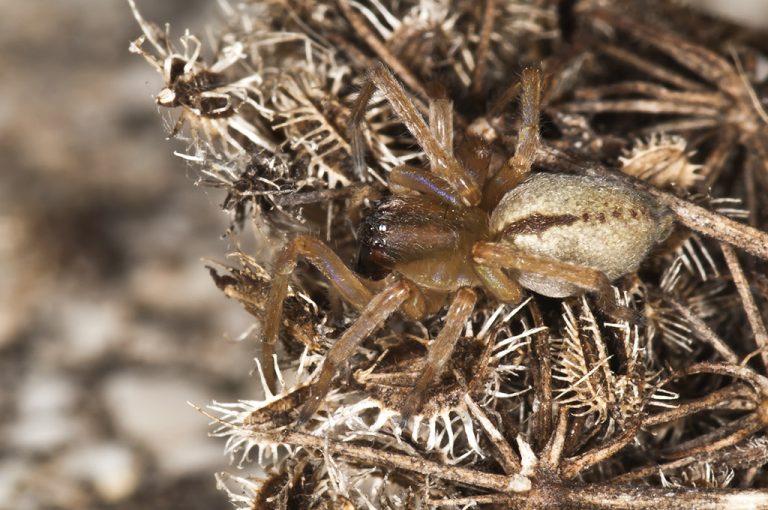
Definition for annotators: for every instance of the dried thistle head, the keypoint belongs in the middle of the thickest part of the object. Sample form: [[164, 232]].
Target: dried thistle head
[[544, 398], [216, 100], [663, 161], [606, 388]]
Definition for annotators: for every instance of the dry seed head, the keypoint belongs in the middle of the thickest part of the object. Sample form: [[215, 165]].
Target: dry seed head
[[218, 106], [713, 476], [238, 421], [591, 386], [663, 161], [445, 423], [244, 491], [306, 324], [691, 279]]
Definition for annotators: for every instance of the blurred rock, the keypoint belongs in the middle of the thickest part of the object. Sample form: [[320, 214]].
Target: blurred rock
[[152, 409], [111, 469], [45, 417]]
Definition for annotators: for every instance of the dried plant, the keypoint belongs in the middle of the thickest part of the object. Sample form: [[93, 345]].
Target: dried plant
[[547, 403]]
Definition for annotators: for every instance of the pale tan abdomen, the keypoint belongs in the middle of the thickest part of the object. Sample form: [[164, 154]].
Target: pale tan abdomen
[[587, 221]]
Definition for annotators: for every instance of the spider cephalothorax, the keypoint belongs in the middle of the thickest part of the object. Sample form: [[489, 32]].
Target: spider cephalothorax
[[450, 229]]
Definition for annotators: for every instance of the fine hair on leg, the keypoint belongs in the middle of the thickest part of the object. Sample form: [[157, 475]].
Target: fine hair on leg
[[373, 316]]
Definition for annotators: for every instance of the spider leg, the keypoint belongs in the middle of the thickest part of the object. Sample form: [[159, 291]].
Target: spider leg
[[505, 256], [441, 120], [378, 310], [518, 166], [351, 287], [499, 284], [442, 161], [442, 348], [407, 178], [472, 152]]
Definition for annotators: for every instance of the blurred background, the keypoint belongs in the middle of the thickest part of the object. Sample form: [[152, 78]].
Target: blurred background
[[109, 322]]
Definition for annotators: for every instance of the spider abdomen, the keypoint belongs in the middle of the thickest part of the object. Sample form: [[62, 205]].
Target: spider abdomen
[[587, 221]]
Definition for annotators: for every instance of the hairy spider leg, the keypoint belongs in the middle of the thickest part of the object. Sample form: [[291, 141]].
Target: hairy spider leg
[[518, 166], [505, 256], [442, 161], [378, 310], [441, 121], [405, 178], [458, 313], [496, 281], [352, 288]]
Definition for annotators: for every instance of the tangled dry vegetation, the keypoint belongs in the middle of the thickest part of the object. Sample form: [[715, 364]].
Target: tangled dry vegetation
[[549, 403]]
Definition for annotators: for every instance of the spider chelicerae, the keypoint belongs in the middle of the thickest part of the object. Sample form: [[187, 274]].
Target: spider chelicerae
[[444, 232]]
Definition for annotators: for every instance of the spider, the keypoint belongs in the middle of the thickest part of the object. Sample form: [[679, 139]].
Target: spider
[[445, 232]]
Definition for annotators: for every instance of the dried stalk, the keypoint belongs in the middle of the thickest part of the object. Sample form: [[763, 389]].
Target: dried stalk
[[507, 457], [381, 50], [542, 380], [704, 332], [621, 498], [486, 30], [378, 457], [737, 397], [750, 307]]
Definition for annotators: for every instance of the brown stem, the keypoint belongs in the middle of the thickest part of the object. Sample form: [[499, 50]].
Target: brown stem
[[482, 48], [650, 68], [725, 398], [703, 331], [727, 435], [714, 225], [541, 371], [554, 450], [378, 457], [753, 314], [738, 457], [358, 23], [649, 106], [644, 472], [506, 455], [620, 498], [759, 382], [715, 162], [575, 465]]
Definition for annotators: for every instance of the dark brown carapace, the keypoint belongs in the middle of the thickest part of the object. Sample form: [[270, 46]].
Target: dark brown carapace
[[453, 228]]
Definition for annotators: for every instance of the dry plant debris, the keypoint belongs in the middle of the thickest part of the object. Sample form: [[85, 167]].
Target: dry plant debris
[[548, 403]]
